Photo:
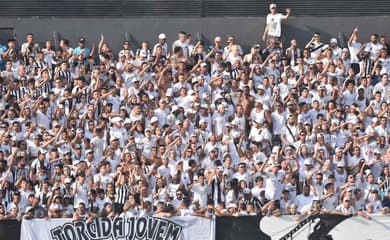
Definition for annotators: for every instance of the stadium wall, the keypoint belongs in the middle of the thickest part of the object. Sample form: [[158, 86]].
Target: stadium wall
[[246, 29]]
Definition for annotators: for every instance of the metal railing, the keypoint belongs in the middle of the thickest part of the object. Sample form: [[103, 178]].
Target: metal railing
[[187, 8]]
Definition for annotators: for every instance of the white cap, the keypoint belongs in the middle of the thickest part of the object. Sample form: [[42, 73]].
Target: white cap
[[261, 86], [220, 169], [67, 180], [204, 106], [203, 64], [154, 119], [307, 161], [127, 120], [231, 205], [162, 36], [89, 151], [340, 164], [236, 134], [333, 40], [190, 92], [272, 5], [28, 208], [116, 119], [174, 108], [247, 191], [234, 121], [190, 111], [205, 95], [201, 121]]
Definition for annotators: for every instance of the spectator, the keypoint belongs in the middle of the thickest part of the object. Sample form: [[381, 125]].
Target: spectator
[[225, 133], [273, 24]]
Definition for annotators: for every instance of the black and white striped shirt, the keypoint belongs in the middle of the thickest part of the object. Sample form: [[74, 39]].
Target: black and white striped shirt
[[67, 75], [122, 194], [19, 93]]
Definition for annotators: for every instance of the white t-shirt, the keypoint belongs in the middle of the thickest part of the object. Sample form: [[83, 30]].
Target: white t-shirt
[[303, 202], [273, 185], [373, 48], [274, 23], [81, 194], [342, 209], [200, 193], [354, 48]]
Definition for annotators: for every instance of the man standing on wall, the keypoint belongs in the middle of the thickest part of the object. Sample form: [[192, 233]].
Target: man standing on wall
[[273, 25]]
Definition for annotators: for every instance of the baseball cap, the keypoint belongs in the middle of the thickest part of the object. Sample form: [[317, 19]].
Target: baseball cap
[[89, 151], [220, 169], [272, 5], [205, 95], [174, 108], [308, 162], [236, 134], [201, 121], [42, 151], [28, 208], [162, 36], [333, 40], [154, 119], [67, 180], [231, 205], [261, 87], [82, 40], [340, 164], [116, 119]]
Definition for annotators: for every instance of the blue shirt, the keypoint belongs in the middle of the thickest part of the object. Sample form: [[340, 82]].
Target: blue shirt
[[78, 51], [3, 49]]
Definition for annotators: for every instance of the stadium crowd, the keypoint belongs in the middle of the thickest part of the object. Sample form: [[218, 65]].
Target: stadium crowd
[[191, 129]]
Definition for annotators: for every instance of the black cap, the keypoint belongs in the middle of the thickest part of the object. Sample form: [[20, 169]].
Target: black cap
[[82, 40]]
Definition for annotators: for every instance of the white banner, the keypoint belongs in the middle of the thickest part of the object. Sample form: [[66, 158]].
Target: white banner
[[356, 228], [176, 228]]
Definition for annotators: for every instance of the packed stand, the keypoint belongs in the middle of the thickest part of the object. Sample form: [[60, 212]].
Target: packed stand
[[191, 129]]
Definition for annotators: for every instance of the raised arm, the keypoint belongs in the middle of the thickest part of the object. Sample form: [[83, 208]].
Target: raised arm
[[353, 34]]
